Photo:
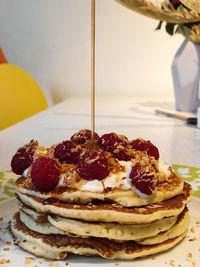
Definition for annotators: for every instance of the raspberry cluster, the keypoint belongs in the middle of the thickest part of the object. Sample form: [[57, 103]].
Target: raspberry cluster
[[91, 160]]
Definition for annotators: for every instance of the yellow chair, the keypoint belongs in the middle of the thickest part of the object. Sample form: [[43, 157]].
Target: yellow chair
[[20, 95]]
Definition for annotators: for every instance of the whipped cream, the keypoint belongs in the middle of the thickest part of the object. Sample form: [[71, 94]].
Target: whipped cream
[[163, 167], [120, 180], [25, 172], [112, 181], [94, 186]]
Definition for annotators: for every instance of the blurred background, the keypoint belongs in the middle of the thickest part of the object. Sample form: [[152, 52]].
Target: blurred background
[[50, 39]]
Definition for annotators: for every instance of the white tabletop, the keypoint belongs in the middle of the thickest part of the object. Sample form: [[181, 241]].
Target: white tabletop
[[178, 143]]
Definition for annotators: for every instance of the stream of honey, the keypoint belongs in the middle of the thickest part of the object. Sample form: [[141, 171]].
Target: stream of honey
[[93, 68]]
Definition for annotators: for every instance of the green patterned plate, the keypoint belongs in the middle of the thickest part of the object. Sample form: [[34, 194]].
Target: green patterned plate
[[189, 174], [7, 185]]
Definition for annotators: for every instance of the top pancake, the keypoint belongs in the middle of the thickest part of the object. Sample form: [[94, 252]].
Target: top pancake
[[117, 187], [127, 198]]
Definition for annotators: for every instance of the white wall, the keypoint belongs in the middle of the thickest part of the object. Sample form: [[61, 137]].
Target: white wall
[[51, 40]]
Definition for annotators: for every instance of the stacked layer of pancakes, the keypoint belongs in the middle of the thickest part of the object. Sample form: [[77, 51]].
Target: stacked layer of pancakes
[[116, 223]]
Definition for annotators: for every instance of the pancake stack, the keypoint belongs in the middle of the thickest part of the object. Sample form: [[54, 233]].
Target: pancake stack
[[110, 197]]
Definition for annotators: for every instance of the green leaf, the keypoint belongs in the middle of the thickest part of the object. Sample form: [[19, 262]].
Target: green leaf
[[180, 8], [170, 28], [159, 26]]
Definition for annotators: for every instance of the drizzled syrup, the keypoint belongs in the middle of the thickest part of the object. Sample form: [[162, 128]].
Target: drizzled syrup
[[92, 70], [49, 201]]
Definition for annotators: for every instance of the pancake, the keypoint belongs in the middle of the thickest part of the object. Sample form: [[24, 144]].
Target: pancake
[[177, 229], [106, 230], [58, 246], [37, 216], [45, 227], [116, 185], [112, 230], [112, 212], [125, 197], [147, 234], [110, 197], [153, 233]]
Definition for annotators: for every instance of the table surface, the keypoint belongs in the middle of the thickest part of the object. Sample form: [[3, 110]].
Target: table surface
[[178, 142]]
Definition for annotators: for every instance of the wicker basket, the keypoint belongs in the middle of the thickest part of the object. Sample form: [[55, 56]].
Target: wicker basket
[[188, 13]]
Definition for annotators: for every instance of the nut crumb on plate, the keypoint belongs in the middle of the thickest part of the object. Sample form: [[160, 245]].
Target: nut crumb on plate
[[29, 260], [3, 261], [193, 239], [53, 264]]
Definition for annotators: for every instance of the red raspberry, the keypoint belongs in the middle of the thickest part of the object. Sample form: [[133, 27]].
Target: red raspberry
[[143, 182], [21, 160], [142, 145], [45, 174], [67, 152], [116, 144], [122, 155], [93, 165], [83, 136], [112, 141]]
